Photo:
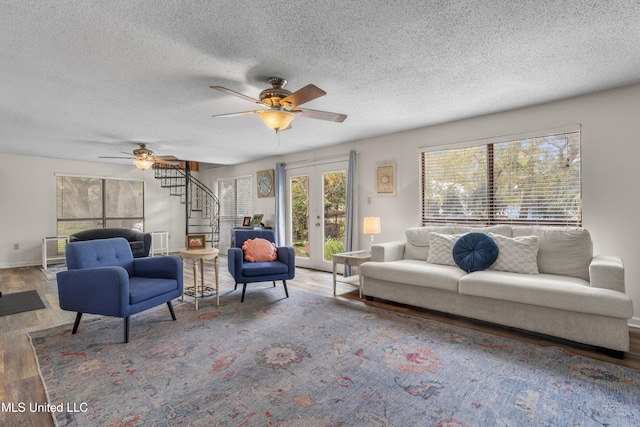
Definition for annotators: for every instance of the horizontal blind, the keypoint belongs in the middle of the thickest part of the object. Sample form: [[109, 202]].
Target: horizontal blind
[[235, 196], [533, 180]]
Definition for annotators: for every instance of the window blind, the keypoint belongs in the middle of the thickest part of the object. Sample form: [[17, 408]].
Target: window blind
[[235, 196], [531, 180]]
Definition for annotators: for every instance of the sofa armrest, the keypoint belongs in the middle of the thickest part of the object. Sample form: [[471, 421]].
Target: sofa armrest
[[391, 251], [98, 290], [234, 259], [286, 255], [607, 272], [166, 267]]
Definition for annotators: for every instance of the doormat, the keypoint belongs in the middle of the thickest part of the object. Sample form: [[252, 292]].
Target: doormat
[[20, 302]]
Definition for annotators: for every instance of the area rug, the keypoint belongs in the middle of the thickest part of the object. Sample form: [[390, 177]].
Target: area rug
[[51, 272], [20, 302], [315, 361]]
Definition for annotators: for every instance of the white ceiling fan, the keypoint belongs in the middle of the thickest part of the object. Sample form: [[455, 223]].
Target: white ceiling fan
[[280, 106], [144, 158]]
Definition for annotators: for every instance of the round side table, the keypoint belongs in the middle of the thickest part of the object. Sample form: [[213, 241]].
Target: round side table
[[197, 257]]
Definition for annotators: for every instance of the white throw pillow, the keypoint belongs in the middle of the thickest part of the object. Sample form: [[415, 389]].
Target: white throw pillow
[[441, 248], [517, 254]]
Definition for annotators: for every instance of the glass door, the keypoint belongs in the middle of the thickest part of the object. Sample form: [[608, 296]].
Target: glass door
[[317, 213]]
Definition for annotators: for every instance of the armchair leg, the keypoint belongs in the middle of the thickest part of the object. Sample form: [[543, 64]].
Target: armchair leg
[[77, 323], [173, 313], [284, 282], [244, 288], [274, 283], [126, 329], [236, 286]]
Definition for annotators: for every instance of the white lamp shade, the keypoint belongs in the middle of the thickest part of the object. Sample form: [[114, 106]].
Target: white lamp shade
[[371, 225]]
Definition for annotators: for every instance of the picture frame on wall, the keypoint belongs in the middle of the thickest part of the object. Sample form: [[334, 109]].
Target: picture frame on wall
[[265, 181], [196, 241], [386, 179], [246, 222]]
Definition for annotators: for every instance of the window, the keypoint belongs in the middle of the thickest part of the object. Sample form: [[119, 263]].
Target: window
[[529, 180], [86, 203], [235, 195]]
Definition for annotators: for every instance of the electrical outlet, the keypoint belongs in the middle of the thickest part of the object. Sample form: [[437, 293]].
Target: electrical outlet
[[16, 246]]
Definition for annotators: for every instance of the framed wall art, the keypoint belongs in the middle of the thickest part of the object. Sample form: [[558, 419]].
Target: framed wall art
[[386, 180], [266, 184], [246, 221]]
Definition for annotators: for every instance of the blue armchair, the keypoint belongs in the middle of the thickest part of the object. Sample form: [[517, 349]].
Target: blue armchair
[[104, 278], [243, 271]]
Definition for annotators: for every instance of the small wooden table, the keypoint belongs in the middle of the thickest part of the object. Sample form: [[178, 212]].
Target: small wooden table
[[198, 256], [355, 259]]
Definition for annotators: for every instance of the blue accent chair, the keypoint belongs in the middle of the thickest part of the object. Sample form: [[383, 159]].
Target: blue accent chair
[[104, 278], [243, 271]]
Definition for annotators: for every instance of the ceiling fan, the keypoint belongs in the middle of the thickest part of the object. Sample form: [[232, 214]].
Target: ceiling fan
[[143, 157], [280, 106]]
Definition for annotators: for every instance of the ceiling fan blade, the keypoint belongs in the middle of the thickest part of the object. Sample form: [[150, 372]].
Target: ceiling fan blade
[[166, 158], [236, 94], [322, 115], [107, 157], [237, 114], [306, 94]]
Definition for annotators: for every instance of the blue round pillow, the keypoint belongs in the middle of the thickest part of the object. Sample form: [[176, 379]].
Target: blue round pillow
[[475, 252]]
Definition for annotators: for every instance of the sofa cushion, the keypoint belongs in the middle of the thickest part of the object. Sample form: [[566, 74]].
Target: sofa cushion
[[547, 290], [566, 251], [252, 269], [475, 251], [503, 230], [517, 254], [144, 288], [417, 246], [441, 248], [413, 272]]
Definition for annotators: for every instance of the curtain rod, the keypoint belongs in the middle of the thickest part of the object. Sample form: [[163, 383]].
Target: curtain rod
[[344, 156]]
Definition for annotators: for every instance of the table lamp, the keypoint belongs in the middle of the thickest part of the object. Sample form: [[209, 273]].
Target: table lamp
[[371, 226]]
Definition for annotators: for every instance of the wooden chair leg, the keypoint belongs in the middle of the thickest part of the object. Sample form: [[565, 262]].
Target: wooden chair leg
[[173, 313], [126, 329], [77, 323], [284, 282], [244, 288]]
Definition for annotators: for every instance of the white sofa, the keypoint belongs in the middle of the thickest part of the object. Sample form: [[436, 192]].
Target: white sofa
[[573, 295]]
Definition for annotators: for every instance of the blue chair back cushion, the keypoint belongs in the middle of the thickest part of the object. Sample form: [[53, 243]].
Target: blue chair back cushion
[[100, 253], [244, 235], [475, 252]]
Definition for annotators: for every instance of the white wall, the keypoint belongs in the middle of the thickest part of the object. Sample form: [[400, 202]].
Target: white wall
[[610, 157], [610, 154], [28, 203]]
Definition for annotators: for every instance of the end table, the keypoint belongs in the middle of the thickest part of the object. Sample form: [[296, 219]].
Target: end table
[[355, 258]]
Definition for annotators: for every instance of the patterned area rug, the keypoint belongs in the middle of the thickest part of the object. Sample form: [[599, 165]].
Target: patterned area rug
[[316, 361]]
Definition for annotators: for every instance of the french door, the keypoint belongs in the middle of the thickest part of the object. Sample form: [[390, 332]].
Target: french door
[[316, 213]]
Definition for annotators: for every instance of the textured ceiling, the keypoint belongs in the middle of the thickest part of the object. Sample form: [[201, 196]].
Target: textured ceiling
[[81, 79]]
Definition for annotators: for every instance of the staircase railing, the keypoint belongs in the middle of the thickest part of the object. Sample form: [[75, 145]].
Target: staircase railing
[[202, 208]]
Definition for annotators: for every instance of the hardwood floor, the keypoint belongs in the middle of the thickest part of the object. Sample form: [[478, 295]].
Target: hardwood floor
[[21, 381]]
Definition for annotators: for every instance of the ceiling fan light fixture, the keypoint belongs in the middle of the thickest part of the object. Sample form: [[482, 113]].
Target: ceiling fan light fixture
[[277, 119], [143, 163]]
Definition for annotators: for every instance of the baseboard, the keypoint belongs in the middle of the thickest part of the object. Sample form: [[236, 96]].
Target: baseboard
[[634, 322], [21, 264]]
